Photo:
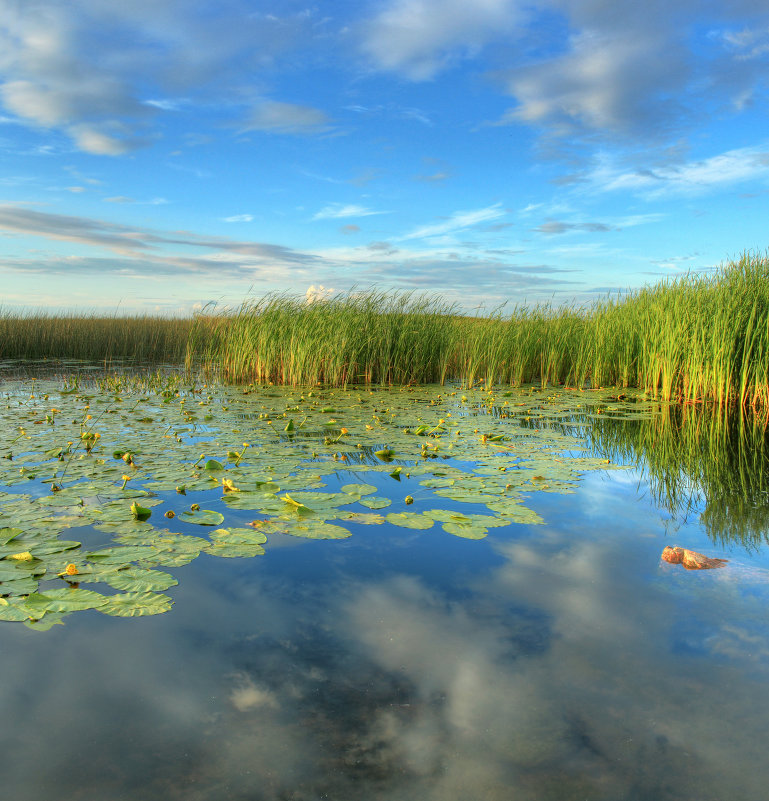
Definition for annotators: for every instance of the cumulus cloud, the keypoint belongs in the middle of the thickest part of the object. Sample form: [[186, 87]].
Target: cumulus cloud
[[84, 67], [636, 72], [619, 84], [420, 37]]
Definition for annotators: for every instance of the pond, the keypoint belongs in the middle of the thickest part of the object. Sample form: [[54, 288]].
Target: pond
[[412, 593]]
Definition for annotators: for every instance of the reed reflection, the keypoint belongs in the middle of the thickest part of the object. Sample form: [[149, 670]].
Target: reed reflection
[[698, 460]]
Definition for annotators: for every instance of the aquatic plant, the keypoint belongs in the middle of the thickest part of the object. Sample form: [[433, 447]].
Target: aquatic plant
[[690, 339], [427, 453], [93, 337]]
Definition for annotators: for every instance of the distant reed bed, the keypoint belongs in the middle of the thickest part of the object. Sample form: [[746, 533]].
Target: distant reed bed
[[94, 338], [690, 339]]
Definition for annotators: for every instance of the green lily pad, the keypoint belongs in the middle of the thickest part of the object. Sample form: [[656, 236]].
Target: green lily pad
[[12, 610], [375, 502], [136, 604], [469, 531], [236, 542], [122, 554], [358, 489], [409, 520], [316, 530], [140, 579], [70, 599], [203, 517]]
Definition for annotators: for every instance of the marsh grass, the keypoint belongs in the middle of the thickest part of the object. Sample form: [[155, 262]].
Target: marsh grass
[[692, 339], [373, 337], [93, 338]]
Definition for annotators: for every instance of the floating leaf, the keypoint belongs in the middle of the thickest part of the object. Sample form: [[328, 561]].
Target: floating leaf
[[316, 530], [122, 554], [68, 599], [367, 518], [409, 520], [213, 464], [140, 579], [49, 620], [375, 502], [8, 534], [11, 611], [358, 489], [236, 542], [470, 531], [202, 517], [136, 604]]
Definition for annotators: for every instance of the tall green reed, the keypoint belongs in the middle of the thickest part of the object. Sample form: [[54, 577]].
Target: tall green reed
[[691, 339], [102, 338]]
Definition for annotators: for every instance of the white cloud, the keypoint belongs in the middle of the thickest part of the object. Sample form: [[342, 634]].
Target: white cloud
[[694, 177], [318, 294], [617, 83], [420, 37], [337, 211], [457, 222], [236, 218], [91, 139], [84, 64]]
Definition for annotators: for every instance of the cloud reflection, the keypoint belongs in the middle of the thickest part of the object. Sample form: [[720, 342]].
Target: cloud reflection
[[572, 666]]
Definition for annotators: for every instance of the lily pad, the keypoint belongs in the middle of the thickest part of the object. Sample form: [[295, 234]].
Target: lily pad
[[139, 579], [375, 502], [202, 517], [359, 489], [409, 520], [136, 604]]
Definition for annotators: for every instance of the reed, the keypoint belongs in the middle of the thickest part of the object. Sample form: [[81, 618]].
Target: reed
[[93, 338], [372, 337], [692, 339]]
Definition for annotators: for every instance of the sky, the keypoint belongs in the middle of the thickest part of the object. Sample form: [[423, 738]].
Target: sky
[[159, 156]]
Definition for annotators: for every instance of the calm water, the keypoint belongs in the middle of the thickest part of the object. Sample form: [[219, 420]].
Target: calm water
[[555, 661]]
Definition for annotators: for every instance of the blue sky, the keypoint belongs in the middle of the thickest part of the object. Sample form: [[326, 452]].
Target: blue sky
[[158, 155]]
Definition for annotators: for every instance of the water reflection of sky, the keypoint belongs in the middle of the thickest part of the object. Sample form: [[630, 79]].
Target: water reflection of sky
[[561, 661]]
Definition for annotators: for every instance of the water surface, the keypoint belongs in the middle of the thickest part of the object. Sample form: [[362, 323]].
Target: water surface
[[559, 660]]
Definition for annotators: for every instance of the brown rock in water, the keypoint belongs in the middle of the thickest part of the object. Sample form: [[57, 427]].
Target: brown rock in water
[[691, 560]]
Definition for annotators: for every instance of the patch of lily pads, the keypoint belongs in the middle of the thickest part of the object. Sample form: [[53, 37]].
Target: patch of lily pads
[[133, 464]]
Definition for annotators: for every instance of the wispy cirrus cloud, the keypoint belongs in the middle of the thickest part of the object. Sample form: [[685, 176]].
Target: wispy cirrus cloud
[[697, 176], [338, 211], [144, 245], [458, 221]]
